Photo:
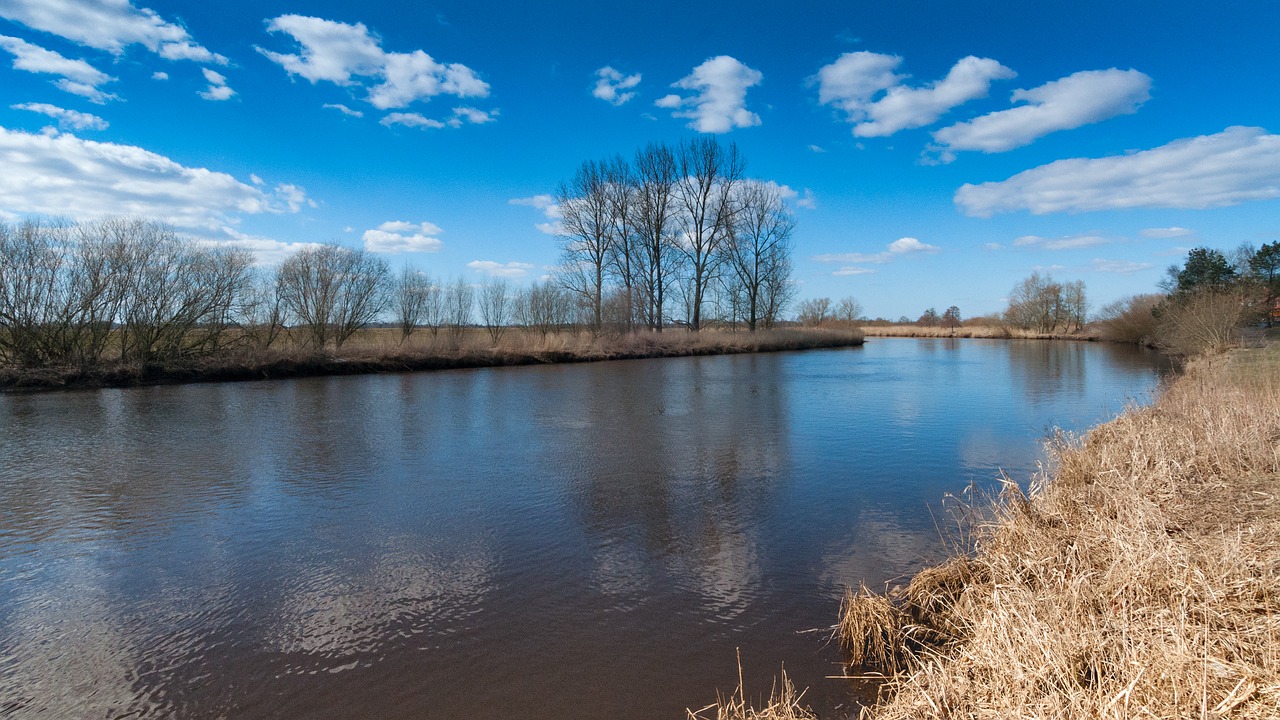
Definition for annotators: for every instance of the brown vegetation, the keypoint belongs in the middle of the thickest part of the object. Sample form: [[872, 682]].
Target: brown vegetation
[[387, 350], [1138, 579], [999, 331], [783, 704]]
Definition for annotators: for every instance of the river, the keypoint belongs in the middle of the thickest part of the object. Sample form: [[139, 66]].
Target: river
[[568, 541]]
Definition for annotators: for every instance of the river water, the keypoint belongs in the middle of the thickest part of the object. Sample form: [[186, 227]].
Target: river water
[[572, 541]]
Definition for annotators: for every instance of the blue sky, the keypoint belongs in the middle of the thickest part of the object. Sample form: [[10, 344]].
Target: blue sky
[[935, 152]]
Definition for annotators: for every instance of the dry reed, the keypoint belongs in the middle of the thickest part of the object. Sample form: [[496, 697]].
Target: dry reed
[[1004, 332], [783, 703], [1139, 578]]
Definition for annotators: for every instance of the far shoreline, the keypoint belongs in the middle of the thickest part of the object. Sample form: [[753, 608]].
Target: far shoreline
[[285, 365]]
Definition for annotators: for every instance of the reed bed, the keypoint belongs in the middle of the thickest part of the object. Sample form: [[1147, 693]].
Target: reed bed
[[383, 350], [1139, 578], [1003, 332]]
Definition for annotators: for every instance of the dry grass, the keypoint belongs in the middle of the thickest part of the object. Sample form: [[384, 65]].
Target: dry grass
[[1004, 332], [380, 350], [783, 703], [1139, 579]]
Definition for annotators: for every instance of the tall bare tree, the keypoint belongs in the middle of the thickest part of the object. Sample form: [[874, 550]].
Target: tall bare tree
[[412, 300], [758, 250], [708, 175], [625, 249], [587, 229], [459, 301], [495, 307], [656, 177]]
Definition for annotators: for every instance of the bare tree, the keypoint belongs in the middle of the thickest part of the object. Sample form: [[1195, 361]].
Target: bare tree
[[625, 249], [333, 291], [460, 299], [412, 300], [759, 248], [814, 312], [495, 307], [656, 176], [1042, 304], [587, 229], [707, 178], [848, 310]]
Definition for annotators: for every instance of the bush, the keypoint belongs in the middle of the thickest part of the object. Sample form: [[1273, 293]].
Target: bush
[[1206, 321], [1129, 320]]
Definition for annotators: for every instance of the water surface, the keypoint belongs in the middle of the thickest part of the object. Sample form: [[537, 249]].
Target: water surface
[[573, 541]]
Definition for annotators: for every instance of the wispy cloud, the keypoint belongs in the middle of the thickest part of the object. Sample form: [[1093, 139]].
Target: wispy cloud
[[67, 119], [868, 88], [549, 208], [217, 89], [1071, 102], [75, 76], [1234, 166], [343, 109], [1166, 233], [1073, 242], [111, 25], [1122, 267], [613, 86], [497, 269], [898, 248]]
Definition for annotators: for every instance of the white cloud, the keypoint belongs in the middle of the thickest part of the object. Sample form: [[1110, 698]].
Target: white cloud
[[158, 75], [993, 246], [110, 25], [1166, 233], [549, 208], [807, 200], [413, 120], [897, 248], [61, 174], [817, 149], [1234, 166], [612, 84], [266, 251], [718, 102], [340, 53], [852, 270], [1123, 267], [397, 236], [1073, 242], [497, 269], [67, 119], [853, 82], [217, 89], [471, 116], [1080, 99], [293, 197], [77, 76], [343, 109]]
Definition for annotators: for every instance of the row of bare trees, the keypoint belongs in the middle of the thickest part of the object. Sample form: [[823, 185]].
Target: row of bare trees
[[683, 220], [1045, 305]]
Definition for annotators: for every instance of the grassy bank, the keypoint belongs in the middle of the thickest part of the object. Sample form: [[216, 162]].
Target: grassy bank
[[969, 331], [380, 350], [1140, 577]]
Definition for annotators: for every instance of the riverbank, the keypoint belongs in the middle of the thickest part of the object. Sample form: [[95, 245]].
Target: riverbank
[[1003, 332], [1138, 578], [378, 351]]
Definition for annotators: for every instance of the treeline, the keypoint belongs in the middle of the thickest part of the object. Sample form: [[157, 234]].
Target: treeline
[[135, 291], [675, 235], [1205, 303]]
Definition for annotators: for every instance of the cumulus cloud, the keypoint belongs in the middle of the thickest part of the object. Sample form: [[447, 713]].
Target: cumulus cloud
[[497, 269], [266, 251], [1079, 99], [343, 109], [855, 81], [549, 208], [898, 248], [398, 236], [471, 116], [1166, 233], [1234, 166], [1073, 242], [67, 119], [1123, 267], [157, 75], [217, 89], [61, 174], [718, 102], [351, 56], [611, 85], [76, 76], [413, 120], [110, 25]]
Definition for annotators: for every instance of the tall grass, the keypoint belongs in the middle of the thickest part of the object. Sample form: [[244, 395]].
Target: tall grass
[[969, 331], [1139, 578]]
